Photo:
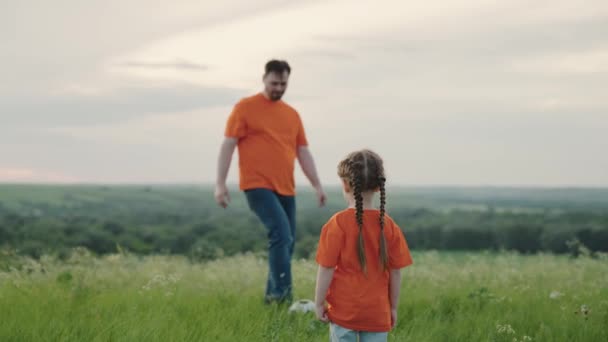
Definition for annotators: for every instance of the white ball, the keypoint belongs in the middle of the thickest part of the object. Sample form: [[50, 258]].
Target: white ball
[[303, 305]]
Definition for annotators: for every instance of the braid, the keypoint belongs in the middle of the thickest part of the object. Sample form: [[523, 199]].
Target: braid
[[383, 250], [356, 183], [364, 172]]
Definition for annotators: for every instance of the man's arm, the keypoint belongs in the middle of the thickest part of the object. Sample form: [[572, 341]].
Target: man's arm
[[223, 165], [308, 167]]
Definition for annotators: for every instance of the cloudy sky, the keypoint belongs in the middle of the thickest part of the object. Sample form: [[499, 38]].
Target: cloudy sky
[[448, 92]]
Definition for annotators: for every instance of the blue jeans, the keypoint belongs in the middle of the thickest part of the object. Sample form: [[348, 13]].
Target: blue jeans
[[278, 214]]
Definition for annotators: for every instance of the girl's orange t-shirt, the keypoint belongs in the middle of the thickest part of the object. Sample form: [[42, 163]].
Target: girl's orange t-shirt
[[268, 133], [357, 301]]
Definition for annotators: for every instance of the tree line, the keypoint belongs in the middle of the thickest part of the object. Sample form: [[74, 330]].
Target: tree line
[[184, 220]]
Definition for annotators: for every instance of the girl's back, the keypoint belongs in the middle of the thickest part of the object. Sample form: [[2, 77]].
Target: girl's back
[[360, 254], [360, 300]]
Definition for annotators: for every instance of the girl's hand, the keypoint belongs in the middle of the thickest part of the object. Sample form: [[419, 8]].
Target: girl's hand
[[393, 318], [321, 313]]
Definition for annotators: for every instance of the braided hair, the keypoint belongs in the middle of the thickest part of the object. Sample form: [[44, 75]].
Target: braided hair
[[364, 171]]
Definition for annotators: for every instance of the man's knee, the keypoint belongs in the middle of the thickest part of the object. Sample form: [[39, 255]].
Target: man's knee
[[281, 238]]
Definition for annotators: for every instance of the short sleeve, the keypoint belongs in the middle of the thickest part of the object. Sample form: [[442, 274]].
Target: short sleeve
[[236, 126], [399, 253], [301, 138], [330, 244]]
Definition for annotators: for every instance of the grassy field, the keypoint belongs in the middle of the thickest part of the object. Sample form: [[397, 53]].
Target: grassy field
[[445, 297]]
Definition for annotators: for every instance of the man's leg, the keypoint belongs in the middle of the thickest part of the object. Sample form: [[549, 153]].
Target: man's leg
[[266, 205], [289, 205]]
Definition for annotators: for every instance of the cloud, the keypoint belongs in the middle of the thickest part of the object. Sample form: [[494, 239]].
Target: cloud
[[113, 105], [198, 127], [46, 45], [25, 175], [496, 92], [592, 62], [178, 64]]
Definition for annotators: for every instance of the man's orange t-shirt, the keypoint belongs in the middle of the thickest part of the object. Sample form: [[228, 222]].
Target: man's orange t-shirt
[[356, 301], [268, 133]]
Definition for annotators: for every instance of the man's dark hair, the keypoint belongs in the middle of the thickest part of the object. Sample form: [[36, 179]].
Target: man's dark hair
[[277, 66]]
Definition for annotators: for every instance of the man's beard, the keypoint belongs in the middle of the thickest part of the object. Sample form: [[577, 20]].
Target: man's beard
[[276, 96]]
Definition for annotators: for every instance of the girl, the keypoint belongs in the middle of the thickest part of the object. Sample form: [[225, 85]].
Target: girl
[[361, 251]]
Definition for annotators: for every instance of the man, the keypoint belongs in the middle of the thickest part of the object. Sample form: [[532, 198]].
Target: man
[[270, 136]]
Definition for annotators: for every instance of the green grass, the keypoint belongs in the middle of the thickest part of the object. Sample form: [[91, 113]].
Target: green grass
[[445, 297]]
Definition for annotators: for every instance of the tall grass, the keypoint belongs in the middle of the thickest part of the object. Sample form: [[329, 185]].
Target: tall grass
[[445, 297]]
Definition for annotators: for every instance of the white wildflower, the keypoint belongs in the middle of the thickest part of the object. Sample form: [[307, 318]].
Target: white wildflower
[[113, 258], [505, 329], [584, 311]]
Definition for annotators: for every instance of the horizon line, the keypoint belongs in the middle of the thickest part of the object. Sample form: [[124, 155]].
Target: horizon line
[[329, 185]]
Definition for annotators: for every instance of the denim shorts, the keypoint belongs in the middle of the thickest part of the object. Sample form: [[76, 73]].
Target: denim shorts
[[341, 334]]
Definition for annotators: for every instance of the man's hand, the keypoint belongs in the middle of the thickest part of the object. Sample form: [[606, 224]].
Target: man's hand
[[393, 318], [222, 197], [309, 169], [321, 313], [321, 196]]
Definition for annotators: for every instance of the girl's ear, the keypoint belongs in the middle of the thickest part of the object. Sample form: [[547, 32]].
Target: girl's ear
[[346, 186]]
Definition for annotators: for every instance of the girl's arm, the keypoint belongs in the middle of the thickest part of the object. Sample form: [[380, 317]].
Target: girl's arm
[[394, 288], [324, 276]]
